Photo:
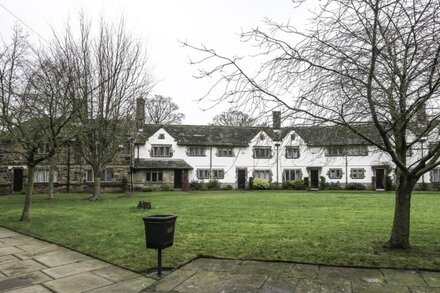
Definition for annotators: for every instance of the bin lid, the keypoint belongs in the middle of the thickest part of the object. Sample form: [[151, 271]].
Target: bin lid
[[159, 218]]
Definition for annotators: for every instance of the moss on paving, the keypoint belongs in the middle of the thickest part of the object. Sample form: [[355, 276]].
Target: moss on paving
[[339, 228]]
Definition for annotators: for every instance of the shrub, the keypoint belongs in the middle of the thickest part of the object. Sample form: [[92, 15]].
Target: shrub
[[288, 184], [322, 184], [260, 183], [147, 189], [213, 184], [334, 186], [228, 187], [196, 185], [355, 186], [275, 186], [164, 187], [299, 184]]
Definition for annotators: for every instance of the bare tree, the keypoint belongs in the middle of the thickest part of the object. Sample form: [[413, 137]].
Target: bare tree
[[371, 66], [111, 73], [234, 117], [36, 102], [162, 110]]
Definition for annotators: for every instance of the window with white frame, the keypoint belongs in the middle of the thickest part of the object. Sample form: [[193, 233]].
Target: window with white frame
[[42, 176], [225, 152], [435, 175], [357, 173], [262, 152], [215, 174], [292, 174], [43, 149], [154, 176], [292, 152], [263, 174], [106, 175], [335, 173], [161, 151], [196, 151]]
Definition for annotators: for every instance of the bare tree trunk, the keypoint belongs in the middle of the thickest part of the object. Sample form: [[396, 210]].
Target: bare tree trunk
[[97, 186], [28, 195], [401, 224], [51, 177]]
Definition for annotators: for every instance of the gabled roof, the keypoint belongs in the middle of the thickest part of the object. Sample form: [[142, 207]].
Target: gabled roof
[[209, 135]]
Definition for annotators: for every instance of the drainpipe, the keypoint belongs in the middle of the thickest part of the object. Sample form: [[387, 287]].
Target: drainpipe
[[278, 147], [346, 166], [210, 163], [68, 167]]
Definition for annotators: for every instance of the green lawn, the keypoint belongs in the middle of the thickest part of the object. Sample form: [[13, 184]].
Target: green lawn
[[344, 228]]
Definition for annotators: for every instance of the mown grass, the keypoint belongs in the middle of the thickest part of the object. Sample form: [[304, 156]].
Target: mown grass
[[340, 228]]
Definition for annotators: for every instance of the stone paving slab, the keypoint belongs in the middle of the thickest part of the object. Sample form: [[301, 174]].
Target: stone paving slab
[[75, 268], [404, 277], [31, 265], [77, 283], [24, 280], [128, 286], [31, 289]]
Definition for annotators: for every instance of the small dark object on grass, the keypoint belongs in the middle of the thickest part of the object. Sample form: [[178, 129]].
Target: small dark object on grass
[[146, 205]]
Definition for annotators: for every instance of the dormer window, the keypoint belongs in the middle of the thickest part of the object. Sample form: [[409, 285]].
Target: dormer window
[[292, 136], [161, 151], [196, 151], [43, 149], [161, 136], [261, 136]]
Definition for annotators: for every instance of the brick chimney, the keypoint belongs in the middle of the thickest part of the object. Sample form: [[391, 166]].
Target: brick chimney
[[140, 113], [276, 119]]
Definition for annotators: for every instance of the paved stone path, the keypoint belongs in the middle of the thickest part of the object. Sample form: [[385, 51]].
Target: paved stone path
[[34, 266], [31, 265], [214, 275]]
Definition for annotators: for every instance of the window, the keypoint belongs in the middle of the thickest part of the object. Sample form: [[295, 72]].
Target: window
[[216, 174], [161, 136], [161, 151], [360, 150], [196, 151], [409, 152], [262, 153], [292, 152], [435, 175], [154, 176], [292, 174], [357, 173], [334, 173], [334, 151], [292, 136], [106, 175], [225, 152], [42, 176], [264, 174]]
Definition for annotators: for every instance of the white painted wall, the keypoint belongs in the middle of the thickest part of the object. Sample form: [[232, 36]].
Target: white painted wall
[[309, 157]]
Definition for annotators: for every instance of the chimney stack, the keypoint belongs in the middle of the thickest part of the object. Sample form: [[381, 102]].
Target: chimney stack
[[276, 116], [140, 113]]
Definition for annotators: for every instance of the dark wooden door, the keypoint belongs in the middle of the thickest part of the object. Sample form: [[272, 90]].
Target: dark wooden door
[[314, 179], [177, 178], [380, 178], [241, 179], [18, 180]]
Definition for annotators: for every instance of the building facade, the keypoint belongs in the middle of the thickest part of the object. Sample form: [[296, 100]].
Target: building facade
[[171, 156]]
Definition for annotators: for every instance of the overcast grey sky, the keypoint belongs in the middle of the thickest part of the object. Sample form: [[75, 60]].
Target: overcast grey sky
[[160, 24]]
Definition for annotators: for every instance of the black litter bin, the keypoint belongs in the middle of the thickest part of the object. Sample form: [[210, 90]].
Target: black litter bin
[[159, 234], [159, 230]]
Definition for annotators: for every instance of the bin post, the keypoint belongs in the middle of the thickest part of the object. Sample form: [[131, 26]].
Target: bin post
[[159, 262]]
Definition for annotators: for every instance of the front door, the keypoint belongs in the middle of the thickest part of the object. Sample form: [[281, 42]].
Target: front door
[[177, 178], [18, 180], [241, 178], [380, 178], [314, 179]]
